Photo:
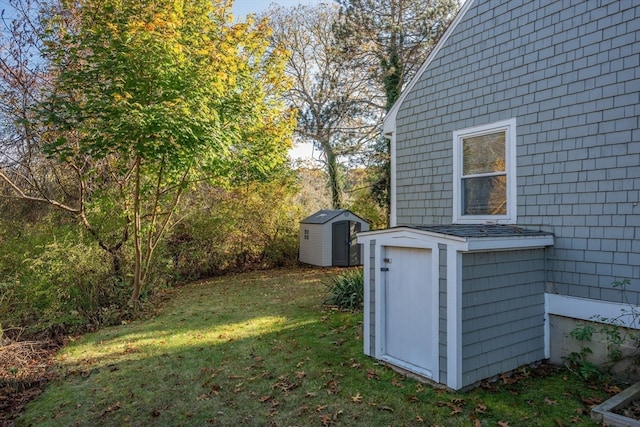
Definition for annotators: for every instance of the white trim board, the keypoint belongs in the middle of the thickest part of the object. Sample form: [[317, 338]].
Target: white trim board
[[586, 309], [510, 133]]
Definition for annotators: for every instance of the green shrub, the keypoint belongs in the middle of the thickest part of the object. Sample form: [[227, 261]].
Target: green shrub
[[54, 281], [347, 290], [252, 227]]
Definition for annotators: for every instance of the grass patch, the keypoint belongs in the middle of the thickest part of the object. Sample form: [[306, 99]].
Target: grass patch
[[259, 349]]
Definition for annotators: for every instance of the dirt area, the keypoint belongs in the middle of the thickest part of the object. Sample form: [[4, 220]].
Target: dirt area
[[630, 410], [25, 367]]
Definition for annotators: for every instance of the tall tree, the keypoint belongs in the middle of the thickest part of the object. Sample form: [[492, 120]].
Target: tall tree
[[148, 97], [391, 39], [337, 108]]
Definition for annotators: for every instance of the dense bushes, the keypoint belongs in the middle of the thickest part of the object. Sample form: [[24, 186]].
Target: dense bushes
[[251, 227], [54, 278]]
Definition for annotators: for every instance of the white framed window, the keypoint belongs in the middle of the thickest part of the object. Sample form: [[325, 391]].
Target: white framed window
[[484, 174], [306, 234]]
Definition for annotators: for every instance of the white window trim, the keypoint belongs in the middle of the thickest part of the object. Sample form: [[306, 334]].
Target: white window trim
[[509, 126]]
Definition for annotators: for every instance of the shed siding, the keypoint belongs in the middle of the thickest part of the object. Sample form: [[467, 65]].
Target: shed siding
[[327, 233], [502, 312], [442, 317], [311, 251], [569, 72], [372, 298]]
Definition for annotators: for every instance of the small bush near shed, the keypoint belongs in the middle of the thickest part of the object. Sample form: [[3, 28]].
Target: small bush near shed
[[347, 290]]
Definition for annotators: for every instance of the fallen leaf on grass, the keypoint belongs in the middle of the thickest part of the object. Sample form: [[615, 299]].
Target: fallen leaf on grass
[[285, 385], [476, 421], [372, 375], [326, 420], [612, 389], [456, 410], [111, 408], [396, 382], [357, 398], [263, 399], [332, 386], [550, 401], [481, 408], [507, 379], [503, 424], [591, 401]]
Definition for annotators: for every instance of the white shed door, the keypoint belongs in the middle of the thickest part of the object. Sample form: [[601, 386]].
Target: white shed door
[[408, 314]]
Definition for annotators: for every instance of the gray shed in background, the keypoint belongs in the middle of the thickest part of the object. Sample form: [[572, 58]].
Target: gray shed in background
[[328, 238]]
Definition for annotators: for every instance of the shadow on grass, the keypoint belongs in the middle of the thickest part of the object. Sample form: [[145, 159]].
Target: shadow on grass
[[259, 349]]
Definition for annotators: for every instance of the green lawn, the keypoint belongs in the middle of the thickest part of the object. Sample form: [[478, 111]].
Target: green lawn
[[259, 349]]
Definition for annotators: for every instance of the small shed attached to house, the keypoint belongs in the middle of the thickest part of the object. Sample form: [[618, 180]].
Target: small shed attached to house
[[328, 238], [455, 303]]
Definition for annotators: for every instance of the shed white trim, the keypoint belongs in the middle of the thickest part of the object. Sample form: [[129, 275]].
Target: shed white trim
[[464, 244], [404, 239], [586, 309], [454, 319]]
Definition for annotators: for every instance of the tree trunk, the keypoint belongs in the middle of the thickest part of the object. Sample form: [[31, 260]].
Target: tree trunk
[[334, 183], [137, 273]]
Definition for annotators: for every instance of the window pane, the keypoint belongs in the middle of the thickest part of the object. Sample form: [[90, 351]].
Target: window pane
[[483, 154], [484, 195]]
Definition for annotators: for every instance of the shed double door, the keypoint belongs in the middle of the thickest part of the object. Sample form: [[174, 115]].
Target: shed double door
[[408, 315], [345, 252]]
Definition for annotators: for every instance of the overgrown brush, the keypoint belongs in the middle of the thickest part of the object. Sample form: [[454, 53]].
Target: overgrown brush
[[253, 227], [347, 290], [54, 281]]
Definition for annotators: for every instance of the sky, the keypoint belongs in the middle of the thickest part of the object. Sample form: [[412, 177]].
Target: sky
[[242, 8]]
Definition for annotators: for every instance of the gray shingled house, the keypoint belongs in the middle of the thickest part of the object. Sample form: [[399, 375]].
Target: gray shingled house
[[328, 238], [515, 168]]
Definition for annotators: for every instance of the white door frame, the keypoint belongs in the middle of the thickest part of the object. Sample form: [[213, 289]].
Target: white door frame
[[433, 306]]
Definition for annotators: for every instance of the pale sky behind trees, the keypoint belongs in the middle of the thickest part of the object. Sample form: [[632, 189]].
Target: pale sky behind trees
[[241, 8]]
